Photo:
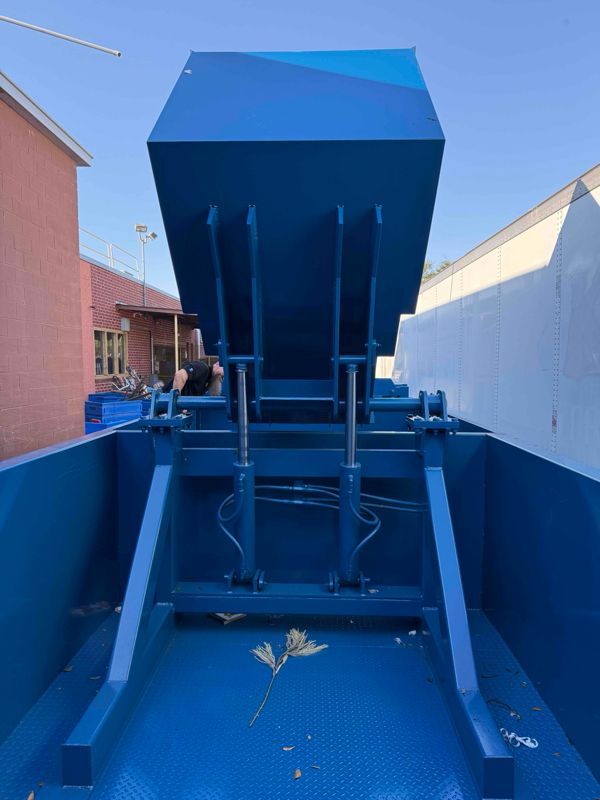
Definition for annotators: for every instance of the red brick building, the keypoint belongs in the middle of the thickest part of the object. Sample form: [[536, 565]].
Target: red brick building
[[119, 330], [67, 324], [40, 336]]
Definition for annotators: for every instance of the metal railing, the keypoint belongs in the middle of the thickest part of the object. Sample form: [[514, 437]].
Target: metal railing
[[109, 253]]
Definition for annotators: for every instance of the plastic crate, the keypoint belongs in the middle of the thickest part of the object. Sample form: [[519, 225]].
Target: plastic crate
[[106, 397], [93, 427], [118, 411]]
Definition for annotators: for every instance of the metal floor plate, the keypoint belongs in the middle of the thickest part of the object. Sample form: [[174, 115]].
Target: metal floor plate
[[30, 756], [365, 712], [362, 711]]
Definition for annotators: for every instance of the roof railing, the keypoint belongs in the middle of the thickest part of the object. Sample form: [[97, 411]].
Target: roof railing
[[108, 253]]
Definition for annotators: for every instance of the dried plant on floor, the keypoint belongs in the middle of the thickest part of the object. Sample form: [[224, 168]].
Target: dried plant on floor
[[296, 644]]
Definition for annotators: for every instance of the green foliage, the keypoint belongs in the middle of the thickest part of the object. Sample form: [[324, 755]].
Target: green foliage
[[430, 269]]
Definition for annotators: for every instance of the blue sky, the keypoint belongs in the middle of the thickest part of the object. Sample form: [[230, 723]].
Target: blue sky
[[515, 84]]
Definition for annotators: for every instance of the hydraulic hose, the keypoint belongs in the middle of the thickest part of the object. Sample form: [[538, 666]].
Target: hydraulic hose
[[222, 520], [329, 498]]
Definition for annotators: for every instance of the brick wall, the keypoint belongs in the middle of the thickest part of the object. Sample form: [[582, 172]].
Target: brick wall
[[41, 380], [87, 324], [107, 288]]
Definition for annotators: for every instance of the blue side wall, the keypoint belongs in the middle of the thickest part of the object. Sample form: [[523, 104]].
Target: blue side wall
[[464, 470], [542, 581], [58, 566]]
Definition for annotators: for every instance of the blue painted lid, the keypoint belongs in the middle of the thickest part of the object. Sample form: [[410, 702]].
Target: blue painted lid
[[296, 135]]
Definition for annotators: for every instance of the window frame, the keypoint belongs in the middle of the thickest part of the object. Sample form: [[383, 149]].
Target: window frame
[[105, 332]]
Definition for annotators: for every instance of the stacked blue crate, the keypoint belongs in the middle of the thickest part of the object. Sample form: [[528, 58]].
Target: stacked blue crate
[[105, 409]]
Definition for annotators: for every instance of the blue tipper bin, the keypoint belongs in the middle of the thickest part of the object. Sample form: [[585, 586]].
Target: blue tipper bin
[[295, 135]]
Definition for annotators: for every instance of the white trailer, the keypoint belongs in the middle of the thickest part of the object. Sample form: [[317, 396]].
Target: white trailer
[[511, 330]]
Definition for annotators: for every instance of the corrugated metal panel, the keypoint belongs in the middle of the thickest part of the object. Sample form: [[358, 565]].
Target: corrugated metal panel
[[512, 331]]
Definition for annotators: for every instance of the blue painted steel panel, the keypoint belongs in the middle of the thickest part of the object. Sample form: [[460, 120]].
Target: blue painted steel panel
[[296, 140], [464, 469], [31, 753], [58, 564], [367, 736], [542, 581]]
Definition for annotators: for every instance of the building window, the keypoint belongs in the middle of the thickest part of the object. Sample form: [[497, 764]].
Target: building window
[[164, 359], [110, 352]]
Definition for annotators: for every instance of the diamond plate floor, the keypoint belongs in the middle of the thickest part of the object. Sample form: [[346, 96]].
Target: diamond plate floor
[[378, 728], [365, 712], [30, 756]]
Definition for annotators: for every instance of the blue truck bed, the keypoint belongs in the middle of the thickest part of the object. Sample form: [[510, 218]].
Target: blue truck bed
[[453, 576], [368, 720], [372, 703]]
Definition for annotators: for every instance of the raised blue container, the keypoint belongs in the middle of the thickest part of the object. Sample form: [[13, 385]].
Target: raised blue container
[[295, 135]]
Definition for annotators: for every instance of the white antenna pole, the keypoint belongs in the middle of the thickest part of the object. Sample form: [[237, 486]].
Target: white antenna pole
[[61, 36]]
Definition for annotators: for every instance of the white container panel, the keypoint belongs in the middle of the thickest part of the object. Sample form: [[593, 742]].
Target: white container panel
[[577, 432], [479, 341], [447, 341], [426, 333], [528, 269]]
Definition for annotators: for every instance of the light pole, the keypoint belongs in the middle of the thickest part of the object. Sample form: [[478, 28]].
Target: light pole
[[58, 35], [144, 237]]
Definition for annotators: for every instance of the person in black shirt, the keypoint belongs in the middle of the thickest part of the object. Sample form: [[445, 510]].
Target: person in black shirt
[[197, 378]]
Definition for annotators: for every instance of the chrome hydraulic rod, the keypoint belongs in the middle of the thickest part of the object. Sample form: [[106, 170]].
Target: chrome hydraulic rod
[[350, 452]]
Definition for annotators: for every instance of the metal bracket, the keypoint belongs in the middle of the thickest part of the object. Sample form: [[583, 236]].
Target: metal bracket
[[258, 581], [170, 419], [334, 583], [432, 430], [164, 428]]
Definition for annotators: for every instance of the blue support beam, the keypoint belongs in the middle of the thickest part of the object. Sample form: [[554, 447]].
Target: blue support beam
[[371, 345], [257, 327], [406, 405], [337, 302], [296, 462], [451, 652], [298, 598], [143, 627], [212, 224]]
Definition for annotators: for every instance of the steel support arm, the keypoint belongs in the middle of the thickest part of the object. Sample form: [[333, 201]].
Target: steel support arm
[[452, 654], [143, 625]]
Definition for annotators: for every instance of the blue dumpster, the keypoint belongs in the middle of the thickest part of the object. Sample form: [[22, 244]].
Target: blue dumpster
[[442, 587]]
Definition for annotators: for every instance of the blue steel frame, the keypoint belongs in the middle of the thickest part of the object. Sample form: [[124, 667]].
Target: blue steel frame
[[439, 601], [370, 344], [257, 357], [444, 616], [257, 333], [212, 224], [144, 623], [337, 300]]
